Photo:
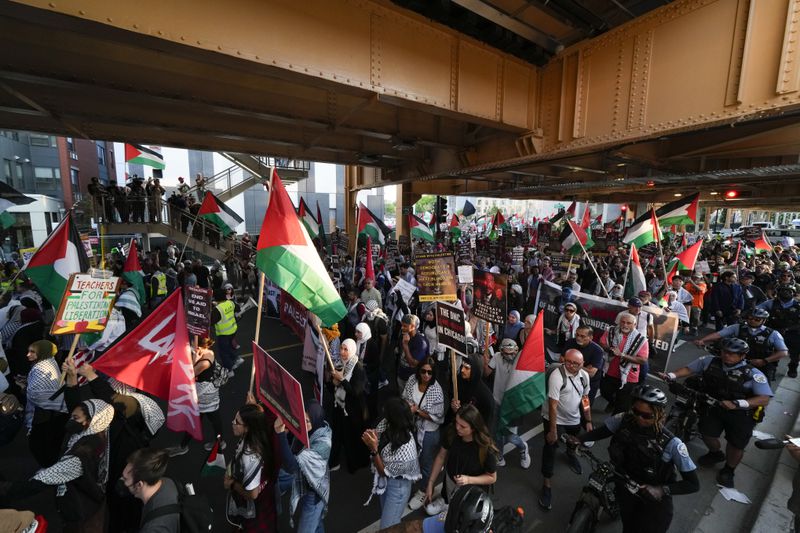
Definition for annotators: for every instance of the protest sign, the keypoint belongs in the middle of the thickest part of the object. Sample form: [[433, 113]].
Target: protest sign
[[517, 255], [406, 289], [26, 254], [450, 327], [293, 314], [281, 393], [465, 274], [87, 245], [752, 233], [272, 299], [702, 267], [601, 313], [86, 304], [436, 278], [198, 310], [489, 296]]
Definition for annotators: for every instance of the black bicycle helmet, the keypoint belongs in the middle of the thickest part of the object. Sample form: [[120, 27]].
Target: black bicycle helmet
[[470, 511], [786, 288], [734, 345], [650, 394], [761, 314]]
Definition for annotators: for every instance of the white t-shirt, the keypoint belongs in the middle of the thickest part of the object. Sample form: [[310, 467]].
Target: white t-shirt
[[568, 412]]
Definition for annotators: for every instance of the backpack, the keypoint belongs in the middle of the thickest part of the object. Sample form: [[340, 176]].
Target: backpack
[[558, 366], [197, 516], [219, 374]]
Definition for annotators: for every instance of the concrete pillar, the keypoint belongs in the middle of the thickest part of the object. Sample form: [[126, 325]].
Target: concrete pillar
[[728, 218], [349, 207], [405, 204]]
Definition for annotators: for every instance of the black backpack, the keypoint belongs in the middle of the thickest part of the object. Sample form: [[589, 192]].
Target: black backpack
[[197, 516], [558, 366]]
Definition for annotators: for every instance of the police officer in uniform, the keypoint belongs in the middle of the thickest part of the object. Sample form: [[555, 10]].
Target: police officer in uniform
[[646, 452], [223, 317], [784, 312], [766, 344], [743, 394]]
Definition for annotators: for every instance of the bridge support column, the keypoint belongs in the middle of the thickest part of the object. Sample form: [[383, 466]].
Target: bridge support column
[[405, 204]]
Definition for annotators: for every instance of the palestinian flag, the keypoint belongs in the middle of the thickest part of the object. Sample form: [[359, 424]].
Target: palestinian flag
[[526, 389], [419, 229], [288, 258], [307, 218], [138, 154], [215, 462], [372, 226], [455, 228], [10, 197], [586, 221], [644, 230], [762, 244], [570, 213], [132, 272], [369, 267], [681, 211], [687, 258], [7, 220], [219, 214], [573, 237], [61, 255], [323, 238], [498, 220], [684, 241], [635, 282]]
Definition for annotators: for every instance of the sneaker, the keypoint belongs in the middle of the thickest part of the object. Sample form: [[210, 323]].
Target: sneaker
[[417, 500], [711, 458], [501, 461], [575, 464], [175, 451], [792, 373], [546, 499], [383, 383], [725, 477], [588, 443], [239, 362], [525, 458], [436, 506], [208, 445]]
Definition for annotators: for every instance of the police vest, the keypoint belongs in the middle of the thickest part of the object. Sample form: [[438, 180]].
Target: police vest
[[638, 453], [727, 385], [783, 318], [760, 345], [162, 283], [227, 322]]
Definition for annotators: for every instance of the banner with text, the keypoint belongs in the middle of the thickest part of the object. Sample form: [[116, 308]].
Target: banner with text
[[450, 327], [490, 300], [293, 314], [436, 276], [198, 310], [86, 305]]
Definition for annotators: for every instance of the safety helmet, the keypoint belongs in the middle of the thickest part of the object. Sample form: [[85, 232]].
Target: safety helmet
[[786, 288], [761, 314], [650, 394], [470, 511], [734, 345]]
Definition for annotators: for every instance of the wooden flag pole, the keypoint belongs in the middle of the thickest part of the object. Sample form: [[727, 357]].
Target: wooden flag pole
[[569, 266], [454, 372], [627, 270], [325, 345], [591, 264], [69, 356], [261, 283], [189, 234]]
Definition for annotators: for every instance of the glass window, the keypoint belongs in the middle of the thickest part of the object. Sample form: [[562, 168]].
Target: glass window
[[101, 156], [44, 172], [7, 171], [70, 144], [37, 139]]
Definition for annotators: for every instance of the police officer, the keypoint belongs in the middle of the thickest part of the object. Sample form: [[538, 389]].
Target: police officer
[[743, 394], [223, 317], [784, 313], [650, 455], [766, 344], [158, 287]]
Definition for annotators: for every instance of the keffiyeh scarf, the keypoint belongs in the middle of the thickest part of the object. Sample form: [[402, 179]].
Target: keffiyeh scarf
[[402, 462], [633, 342]]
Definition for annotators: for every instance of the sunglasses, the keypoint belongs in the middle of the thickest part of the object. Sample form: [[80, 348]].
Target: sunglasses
[[426, 372], [569, 310], [641, 414]]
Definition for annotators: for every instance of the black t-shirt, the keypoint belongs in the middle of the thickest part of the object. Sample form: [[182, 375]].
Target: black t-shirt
[[464, 458], [593, 354]]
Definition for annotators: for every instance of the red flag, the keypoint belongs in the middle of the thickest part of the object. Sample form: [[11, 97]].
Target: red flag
[[599, 219], [370, 269], [762, 243], [688, 257], [454, 222], [531, 356], [156, 358], [499, 219], [571, 209], [587, 218], [738, 249], [684, 241]]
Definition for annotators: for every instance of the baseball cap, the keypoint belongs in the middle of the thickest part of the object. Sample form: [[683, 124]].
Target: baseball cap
[[635, 302]]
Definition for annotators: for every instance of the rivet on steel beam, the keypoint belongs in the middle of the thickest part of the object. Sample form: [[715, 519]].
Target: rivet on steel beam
[[219, 47], [52, 4], [81, 12], [183, 38], [109, 19]]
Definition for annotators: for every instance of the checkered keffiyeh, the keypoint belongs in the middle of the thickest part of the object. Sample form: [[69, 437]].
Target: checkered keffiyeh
[[402, 462]]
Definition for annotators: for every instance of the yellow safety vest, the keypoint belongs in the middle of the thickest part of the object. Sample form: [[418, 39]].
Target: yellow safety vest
[[162, 283], [227, 322]]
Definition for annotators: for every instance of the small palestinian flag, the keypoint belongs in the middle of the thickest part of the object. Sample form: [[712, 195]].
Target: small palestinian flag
[[132, 272], [682, 211], [215, 463], [219, 214], [141, 155], [308, 220], [420, 230], [575, 239], [644, 230], [372, 226], [455, 228]]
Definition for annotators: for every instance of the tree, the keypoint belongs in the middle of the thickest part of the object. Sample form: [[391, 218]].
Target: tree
[[425, 204], [390, 209]]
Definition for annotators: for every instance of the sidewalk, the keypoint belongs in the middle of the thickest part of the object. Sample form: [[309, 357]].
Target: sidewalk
[[755, 478]]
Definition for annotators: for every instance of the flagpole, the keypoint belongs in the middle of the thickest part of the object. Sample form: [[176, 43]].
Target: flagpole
[[454, 373], [657, 230], [627, 270], [69, 357], [591, 264], [325, 345], [189, 234]]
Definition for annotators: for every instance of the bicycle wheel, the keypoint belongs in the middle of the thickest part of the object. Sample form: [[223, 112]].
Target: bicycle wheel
[[583, 520]]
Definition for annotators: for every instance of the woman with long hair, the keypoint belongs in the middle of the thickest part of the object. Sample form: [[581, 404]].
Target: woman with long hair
[[251, 497], [468, 455], [425, 397], [393, 449], [45, 413]]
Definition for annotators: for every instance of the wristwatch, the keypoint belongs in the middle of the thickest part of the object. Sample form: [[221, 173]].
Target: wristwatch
[[666, 490]]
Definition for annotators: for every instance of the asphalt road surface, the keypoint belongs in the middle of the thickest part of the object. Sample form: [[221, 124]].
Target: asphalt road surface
[[346, 513]]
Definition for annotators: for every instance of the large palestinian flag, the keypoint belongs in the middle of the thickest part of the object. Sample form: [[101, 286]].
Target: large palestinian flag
[[288, 258], [372, 226], [526, 389], [61, 255], [573, 237], [635, 282], [419, 229], [681, 211], [219, 214], [644, 230], [141, 155], [10, 197]]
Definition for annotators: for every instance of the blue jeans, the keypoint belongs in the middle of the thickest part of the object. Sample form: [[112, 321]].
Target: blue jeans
[[513, 438], [394, 500], [311, 505], [226, 351], [430, 447]]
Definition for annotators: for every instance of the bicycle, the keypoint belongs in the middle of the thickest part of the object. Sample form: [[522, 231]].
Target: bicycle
[[599, 493], [686, 410]]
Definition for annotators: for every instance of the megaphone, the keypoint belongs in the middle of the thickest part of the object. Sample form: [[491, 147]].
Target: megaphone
[[250, 304]]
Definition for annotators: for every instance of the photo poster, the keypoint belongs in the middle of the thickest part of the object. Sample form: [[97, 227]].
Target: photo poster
[[86, 305], [272, 299], [293, 314], [436, 277], [600, 313], [450, 327], [197, 302], [490, 291], [281, 393]]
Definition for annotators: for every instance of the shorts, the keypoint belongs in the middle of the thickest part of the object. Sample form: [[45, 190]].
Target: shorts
[[738, 426]]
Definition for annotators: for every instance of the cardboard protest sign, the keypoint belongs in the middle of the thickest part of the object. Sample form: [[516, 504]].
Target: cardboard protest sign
[[86, 305], [465, 274], [197, 302], [490, 300], [436, 279], [293, 314], [406, 289], [450, 327], [600, 313], [281, 393]]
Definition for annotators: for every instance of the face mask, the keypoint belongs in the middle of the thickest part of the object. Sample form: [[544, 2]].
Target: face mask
[[72, 427], [121, 489]]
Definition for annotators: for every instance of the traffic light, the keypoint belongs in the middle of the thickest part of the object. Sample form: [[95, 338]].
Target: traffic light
[[730, 195], [736, 194], [441, 209], [623, 208]]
